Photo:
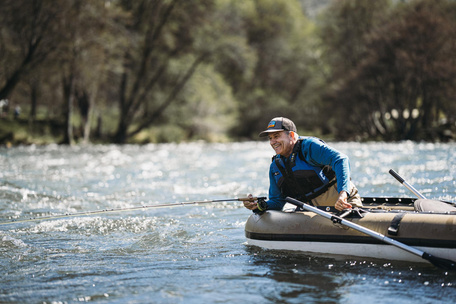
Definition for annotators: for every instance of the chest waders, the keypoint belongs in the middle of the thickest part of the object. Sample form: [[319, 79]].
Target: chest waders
[[298, 179]]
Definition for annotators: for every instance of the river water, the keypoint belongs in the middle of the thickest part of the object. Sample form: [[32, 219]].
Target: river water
[[192, 253]]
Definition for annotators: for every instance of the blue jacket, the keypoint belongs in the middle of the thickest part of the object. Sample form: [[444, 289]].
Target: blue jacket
[[316, 153]]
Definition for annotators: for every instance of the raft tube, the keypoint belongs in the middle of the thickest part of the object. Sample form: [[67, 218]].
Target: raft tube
[[311, 233]]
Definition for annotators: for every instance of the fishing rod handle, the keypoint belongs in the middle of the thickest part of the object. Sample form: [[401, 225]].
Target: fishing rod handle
[[251, 199]]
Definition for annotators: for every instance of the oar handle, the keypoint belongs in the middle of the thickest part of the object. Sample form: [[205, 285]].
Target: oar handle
[[396, 176], [407, 185]]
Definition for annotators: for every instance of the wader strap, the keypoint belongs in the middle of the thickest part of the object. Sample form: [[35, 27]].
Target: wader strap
[[395, 223], [327, 170], [281, 169], [288, 176]]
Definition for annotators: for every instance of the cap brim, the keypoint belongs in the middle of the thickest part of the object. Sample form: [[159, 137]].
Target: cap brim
[[265, 133]]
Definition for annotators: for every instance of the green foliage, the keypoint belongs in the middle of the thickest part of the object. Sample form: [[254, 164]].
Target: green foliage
[[176, 70], [280, 34], [405, 82], [211, 103]]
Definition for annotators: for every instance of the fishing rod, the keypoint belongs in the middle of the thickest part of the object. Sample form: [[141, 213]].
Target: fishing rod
[[96, 212]]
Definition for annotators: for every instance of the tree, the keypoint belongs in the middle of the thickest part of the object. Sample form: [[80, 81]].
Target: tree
[[208, 110], [29, 35], [406, 80], [279, 34], [342, 30], [162, 33], [91, 43]]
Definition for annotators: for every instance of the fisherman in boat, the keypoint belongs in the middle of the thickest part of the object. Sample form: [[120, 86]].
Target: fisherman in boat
[[307, 169]]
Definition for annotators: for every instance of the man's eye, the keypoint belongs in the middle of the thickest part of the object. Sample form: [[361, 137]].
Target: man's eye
[[275, 136]]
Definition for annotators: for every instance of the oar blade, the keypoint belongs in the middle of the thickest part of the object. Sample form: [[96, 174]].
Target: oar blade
[[440, 262]]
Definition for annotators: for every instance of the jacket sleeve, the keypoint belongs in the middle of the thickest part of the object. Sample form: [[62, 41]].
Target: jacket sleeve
[[276, 200], [318, 153]]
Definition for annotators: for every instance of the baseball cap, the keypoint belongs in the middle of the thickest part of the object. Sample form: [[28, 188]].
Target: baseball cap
[[279, 124]]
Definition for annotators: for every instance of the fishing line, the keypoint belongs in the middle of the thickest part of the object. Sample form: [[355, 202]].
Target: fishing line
[[96, 212]]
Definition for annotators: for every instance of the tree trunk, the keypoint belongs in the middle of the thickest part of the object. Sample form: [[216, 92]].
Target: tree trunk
[[34, 92], [68, 90], [91, 100], [121, 133]]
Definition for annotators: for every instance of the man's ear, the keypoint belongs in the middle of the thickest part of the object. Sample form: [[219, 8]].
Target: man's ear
[[292, 134]]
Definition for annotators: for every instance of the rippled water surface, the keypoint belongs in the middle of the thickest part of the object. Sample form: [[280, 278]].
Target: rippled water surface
[[192, 253]]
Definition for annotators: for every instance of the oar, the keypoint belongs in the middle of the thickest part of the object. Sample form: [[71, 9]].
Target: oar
[[88, 213], [407, 185], [439, 262], [413, 190]]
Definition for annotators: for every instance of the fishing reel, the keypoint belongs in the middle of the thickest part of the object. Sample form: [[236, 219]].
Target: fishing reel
[[262, 205]]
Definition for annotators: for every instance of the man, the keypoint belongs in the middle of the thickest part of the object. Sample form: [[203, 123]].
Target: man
[[307, 169]]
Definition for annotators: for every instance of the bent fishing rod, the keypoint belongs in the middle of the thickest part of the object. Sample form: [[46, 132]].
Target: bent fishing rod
[[96, 212]]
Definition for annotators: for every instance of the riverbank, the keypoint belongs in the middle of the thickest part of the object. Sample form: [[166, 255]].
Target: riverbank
[[22, 131]]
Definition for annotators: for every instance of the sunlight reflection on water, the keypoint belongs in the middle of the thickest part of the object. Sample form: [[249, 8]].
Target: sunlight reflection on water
[[192, 253]]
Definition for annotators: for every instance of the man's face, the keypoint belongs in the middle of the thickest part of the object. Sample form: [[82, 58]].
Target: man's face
[[281, 142]]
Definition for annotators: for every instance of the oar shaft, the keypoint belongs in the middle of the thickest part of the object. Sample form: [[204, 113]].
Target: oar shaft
[[437, 261], [357, 227], [407, 185]]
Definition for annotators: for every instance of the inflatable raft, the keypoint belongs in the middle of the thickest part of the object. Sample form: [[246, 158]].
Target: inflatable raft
[[431, 231]]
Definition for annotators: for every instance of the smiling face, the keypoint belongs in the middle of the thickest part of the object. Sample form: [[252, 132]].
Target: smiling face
[[282, 142]]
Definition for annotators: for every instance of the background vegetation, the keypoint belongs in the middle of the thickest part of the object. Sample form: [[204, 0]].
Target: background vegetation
[[143, 71]]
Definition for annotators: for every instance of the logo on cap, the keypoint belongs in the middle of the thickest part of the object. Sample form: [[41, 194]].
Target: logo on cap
[[271, 124]]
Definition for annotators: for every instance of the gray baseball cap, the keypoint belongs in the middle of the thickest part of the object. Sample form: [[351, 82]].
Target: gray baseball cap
[[279, 124]]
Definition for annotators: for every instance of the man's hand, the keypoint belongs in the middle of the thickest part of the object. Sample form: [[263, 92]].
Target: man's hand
[[251, 205], [341, 203]]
